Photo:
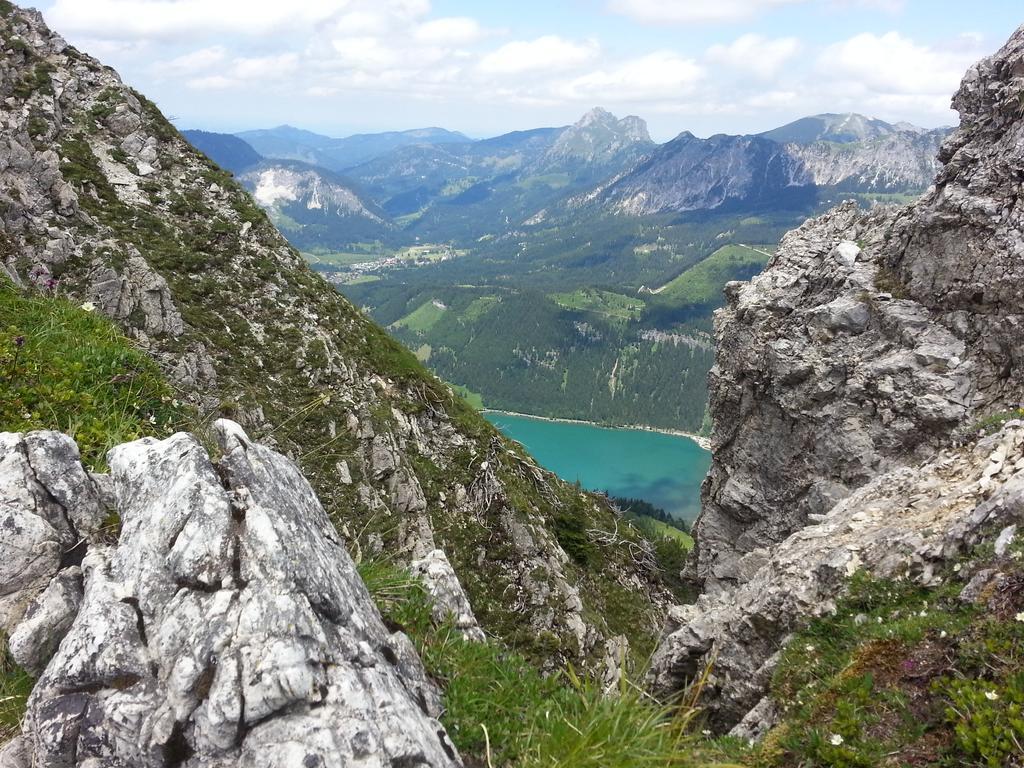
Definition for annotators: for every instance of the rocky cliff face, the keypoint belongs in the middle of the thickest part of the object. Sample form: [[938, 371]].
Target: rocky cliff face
[[225, 626], [845, 371], [101, 200]]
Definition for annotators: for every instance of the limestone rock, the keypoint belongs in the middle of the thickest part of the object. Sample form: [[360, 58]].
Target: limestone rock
[[47, 620], [228, 627], [450, 601], [49, 508], [835, 425], [908, 523], [870, 337]]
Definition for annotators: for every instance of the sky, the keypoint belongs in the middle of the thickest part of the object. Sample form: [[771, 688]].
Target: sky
[[484, 68]]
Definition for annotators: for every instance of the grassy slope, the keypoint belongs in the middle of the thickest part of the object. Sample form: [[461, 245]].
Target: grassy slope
[[703, 282], [421, 319], [612, 306], [65, 368], [501, 712]]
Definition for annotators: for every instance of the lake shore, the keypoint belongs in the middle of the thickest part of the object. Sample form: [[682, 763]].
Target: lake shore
[[700, 440]]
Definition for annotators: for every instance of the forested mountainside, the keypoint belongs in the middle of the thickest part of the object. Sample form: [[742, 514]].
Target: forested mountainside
[[103, 202], [859, 545]]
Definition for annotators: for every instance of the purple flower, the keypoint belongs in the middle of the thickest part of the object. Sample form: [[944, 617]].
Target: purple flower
[[19, 341]]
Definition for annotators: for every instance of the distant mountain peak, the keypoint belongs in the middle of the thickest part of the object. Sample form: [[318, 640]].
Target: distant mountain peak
[[839, 128], [597, 138]]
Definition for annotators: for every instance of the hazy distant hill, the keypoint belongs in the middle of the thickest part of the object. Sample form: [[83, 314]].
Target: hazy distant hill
[[229, 152], [286, 142]]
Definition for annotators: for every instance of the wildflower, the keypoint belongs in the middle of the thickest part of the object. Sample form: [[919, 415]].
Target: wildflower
[[809, 648], [835, 739], [706, 732], [26, 416], [1019, 616], [152, 418], [943, 635], [991, 695], [957, 567], [89, 306], [19, 341]]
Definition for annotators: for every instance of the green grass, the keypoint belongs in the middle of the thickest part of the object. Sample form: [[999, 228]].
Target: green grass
[[475, 399], [904, 675], [65, 368], [421, 319], [664, 529], [502, 712], [549, 180], [613, 306], [15, 686], [702, 284]]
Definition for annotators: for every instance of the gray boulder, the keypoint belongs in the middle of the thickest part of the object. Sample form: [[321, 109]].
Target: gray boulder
[[228, 627]]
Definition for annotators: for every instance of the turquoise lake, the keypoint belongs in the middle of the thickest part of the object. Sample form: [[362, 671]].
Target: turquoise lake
[[665, 470]]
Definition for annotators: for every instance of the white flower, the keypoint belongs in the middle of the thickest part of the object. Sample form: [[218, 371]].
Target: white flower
[[942, 634], [1019, 616], [991, 695], [706, 732], [1017, 555], [835, 739], [89, 306], [26, 416], [152, 418], [957, 567], [809, 648]]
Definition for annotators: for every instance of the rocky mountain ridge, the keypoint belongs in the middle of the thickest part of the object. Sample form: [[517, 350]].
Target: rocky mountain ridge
[[105, 203], [846, 376], [688, 173]]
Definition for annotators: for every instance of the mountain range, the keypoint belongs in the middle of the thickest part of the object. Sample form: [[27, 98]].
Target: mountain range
[[437, 184]]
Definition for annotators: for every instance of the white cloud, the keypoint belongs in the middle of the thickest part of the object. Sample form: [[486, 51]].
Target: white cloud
[[756, 55], [180, 19], [455, 30], [660, 75], [212, 83], [694, 11], [265, 67], [196, 61], [548, 54], [892, 64]]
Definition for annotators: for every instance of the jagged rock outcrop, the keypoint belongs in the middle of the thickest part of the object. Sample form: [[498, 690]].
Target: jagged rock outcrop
[[870, 337], [227, 626], [102, 201], [844, 374], [908, 523]]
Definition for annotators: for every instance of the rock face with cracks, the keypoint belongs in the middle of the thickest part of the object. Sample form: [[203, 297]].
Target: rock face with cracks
[[845, 376], [870, 337], [227, 627]]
